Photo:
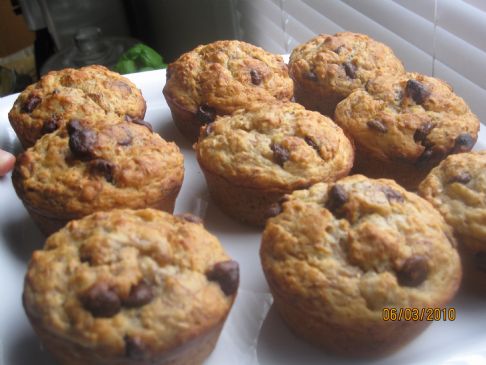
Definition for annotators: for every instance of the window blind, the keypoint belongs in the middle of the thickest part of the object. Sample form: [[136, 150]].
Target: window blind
[[443, 38]]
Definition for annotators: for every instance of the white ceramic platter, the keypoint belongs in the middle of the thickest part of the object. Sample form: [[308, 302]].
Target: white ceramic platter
[[253, 334]]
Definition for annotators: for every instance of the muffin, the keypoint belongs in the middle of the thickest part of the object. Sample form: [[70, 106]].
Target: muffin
[[129, 288], [457, 189], [328, 68], [341, 254], [219, 78], [253, 158], [82, 169], [91, 92], [404, 126]]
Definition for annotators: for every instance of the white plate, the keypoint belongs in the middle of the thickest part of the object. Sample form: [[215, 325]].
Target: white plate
[[253, 334]]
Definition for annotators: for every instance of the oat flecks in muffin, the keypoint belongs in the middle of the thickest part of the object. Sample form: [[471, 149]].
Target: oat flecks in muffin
[[275, 146], [128, 285], [339, 253], [328, 68], [91, 92], [457, 189]]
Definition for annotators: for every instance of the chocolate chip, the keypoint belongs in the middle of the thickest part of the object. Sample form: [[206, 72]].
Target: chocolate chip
[[480, 260], [140, 295], [417, 91], [311, 143], [463, 178], [463, 143], [413, 272], [280, 154], [227, 275], [273, 210], [81, 140], [310, 75], [338, 49], [50, 125], [256, 78], [392, 195], [120, 85], [190, 218], [134, 348], [350, 69], [377, 125], [103, 168], [337, 197], [206, 114], [30, 104], [208, 129], [139, 121], [423, 131], [425, 157], [101, 301]]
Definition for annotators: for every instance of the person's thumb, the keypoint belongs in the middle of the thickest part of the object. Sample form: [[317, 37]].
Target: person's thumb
[[7, 160]]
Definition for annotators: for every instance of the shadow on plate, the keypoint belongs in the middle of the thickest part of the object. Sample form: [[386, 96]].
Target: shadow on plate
[[168, 131], [23, 237], [27, 350]]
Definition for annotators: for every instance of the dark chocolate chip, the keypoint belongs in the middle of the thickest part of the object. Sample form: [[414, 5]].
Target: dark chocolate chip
[[463, 178], [256, 78], [103, 168], [392, 195], [30, 104], [311, 143], [417, 91], [227, 275], [338, 49], [425, 157], [190, 218], [50, 125], [413, 272], [280, 154], [206, 114], [377, 125], [423, 131], [350, 69], [101, 301], [56, 91], [480, 260], [81, 140], [134, 348], [310, 75], [139, 121], [337, 197], [463, 143], [208, 129], [273, 210], [140, 295]]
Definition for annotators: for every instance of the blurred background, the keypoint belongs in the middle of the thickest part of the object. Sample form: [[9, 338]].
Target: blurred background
[[444, 38]]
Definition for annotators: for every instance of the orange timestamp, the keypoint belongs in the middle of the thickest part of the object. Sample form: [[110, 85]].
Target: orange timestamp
[[419, 314]]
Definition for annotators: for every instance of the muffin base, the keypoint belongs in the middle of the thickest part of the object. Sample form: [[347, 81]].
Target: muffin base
[[322, 102], [49, 223], [247, 205], [185, 121], [192, 352], [369, 339]]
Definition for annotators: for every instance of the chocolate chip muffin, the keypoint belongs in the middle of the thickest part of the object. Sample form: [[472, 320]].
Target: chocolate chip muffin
[[91, 93], [219, 78], [327, 68], [253, 158], [82, 169], [403, 126], [130, 287], [457, 189], [341, 253]]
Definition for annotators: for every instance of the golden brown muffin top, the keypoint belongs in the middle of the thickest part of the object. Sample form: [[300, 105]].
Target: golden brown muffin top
[[412, 117], [89, 92], [342, 62], [86, 168], [275, 146], [457, 189], [359, 245], [130, 282], [223, 76]]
